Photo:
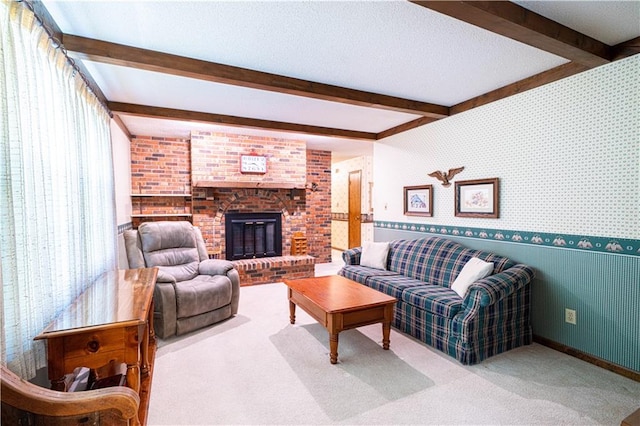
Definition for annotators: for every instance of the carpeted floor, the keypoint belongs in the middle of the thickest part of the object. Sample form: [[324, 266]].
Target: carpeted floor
[[257, 369]]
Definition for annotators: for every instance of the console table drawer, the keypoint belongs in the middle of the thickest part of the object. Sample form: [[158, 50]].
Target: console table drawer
[[96, 343]]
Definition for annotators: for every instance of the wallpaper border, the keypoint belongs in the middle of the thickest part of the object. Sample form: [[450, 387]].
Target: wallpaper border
[[124, 227], [621, 246]]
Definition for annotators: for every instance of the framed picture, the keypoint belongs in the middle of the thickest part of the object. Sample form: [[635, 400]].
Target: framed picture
[[477, 198], [418, 200]]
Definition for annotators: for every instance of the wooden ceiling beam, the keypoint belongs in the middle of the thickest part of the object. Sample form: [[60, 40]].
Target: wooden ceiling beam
[[116, 119], [626, 49], [228, 120], [149, 60], [405, 126], [517, 23], [532, 82]]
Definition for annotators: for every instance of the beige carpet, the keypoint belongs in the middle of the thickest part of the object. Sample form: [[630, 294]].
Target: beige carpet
[[256, 368]]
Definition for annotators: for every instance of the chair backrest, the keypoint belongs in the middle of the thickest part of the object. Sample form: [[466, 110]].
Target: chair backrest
[[26, 403], [177, 248]]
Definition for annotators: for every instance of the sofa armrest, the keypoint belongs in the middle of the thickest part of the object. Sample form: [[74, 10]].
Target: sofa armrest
[[352, 256], [496, 287], [214, 267]]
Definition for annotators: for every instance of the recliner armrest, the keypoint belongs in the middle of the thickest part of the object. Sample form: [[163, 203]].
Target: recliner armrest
[[165, 277], [215, 267]]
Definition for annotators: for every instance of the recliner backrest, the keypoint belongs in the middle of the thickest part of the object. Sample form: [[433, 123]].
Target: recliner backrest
[[175, 247]]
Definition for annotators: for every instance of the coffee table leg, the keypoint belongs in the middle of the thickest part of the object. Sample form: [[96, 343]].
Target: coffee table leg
[[386, 331], [292, 312], [333, 345]]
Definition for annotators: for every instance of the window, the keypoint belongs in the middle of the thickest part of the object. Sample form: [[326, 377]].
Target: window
[[57, 208]]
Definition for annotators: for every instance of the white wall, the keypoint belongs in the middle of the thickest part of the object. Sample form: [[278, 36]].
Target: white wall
[[567, 155], [121, 148]]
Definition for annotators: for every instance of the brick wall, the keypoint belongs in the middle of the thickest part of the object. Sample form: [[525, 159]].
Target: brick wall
[[318, 205], [160, 166], [216, 157], [169, 166]]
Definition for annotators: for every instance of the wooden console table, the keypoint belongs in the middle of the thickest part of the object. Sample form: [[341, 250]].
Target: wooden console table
[[111, 320]]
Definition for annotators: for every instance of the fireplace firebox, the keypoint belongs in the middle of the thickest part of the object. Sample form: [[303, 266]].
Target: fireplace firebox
[[253, 235]]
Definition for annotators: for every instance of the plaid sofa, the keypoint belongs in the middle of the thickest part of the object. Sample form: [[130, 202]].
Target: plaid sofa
[[493, 317]]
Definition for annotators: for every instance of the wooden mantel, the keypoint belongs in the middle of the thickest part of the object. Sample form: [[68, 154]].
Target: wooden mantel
[[248, 184]]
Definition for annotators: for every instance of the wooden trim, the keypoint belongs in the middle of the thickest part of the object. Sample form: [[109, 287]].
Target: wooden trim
[[554, 74], [88, 79], [149, 60], [406, 126], [54, 32], [632, 419], [247, 184], [623, 371], [626, 49], [517, 23], [228, 120], [45, 17], [121, 125]]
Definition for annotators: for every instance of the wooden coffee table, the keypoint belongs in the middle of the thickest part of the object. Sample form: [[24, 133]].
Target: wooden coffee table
[[340, 304]]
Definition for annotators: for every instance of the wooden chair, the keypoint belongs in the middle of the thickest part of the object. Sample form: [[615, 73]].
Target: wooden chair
[[24, 403]]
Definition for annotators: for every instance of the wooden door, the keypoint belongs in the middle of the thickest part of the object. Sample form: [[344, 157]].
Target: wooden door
[[355, 199]]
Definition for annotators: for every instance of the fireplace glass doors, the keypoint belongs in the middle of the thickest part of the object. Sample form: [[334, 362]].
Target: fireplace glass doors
[[253, 235]]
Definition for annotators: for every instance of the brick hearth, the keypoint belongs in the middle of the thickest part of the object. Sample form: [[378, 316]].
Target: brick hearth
[[274, 269]]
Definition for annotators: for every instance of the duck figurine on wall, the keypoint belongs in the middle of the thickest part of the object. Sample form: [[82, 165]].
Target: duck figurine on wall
[[446, 177]]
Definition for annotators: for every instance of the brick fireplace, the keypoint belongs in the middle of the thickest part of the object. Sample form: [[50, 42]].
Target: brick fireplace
[[207, 168]]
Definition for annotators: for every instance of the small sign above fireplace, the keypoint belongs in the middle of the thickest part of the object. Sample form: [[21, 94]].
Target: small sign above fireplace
[[253, 164]]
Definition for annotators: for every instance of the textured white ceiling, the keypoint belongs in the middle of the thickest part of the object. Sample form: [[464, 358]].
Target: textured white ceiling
[[610, 22], [120, 84], [387, 47], [393, 48]]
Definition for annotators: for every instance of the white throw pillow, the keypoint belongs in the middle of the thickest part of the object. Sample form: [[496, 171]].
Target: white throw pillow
[[474, 270], [374, 255]]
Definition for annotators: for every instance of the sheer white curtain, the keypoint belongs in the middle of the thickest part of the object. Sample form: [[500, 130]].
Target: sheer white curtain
[[57, 208]]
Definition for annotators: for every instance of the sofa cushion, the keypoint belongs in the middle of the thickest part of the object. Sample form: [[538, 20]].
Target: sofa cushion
[[441, 301], [500, 263], [202, 294], [472, 271], [374, 255], [392, 285], [361, 273], [430, 259], [437, 260]]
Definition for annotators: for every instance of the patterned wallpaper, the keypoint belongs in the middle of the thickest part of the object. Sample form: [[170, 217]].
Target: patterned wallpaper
[[567, 155]]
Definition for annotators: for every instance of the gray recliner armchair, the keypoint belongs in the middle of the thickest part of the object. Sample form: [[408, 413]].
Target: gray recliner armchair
[[192, 291]]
